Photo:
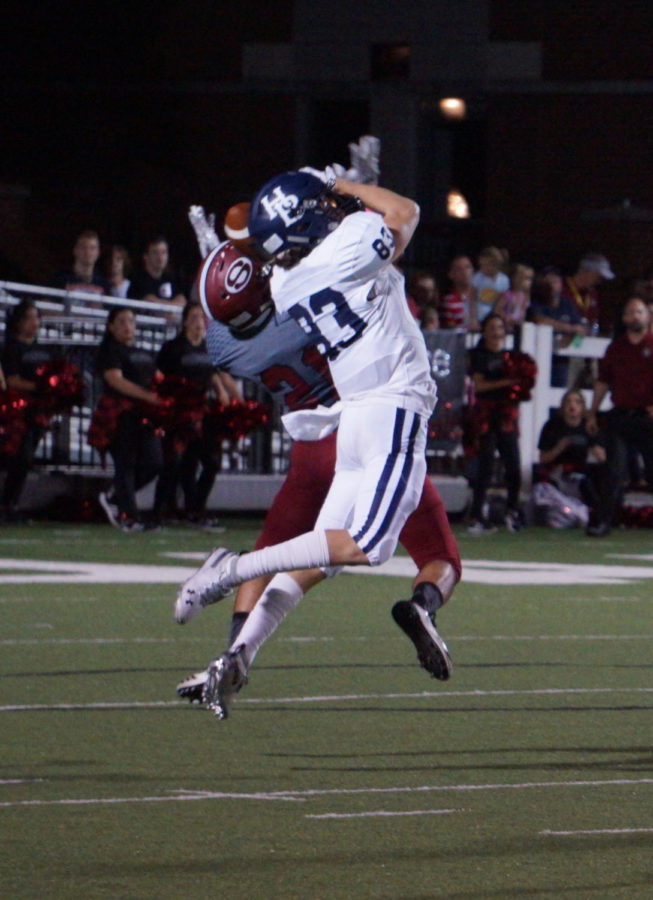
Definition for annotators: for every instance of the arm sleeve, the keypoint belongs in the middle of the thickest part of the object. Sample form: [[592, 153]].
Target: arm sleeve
[[11, 359], [163, 359], [548, 438], [107, 357], [606, 366]]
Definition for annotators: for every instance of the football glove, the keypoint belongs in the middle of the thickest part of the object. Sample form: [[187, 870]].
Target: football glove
[[365, 160], [204, 229]]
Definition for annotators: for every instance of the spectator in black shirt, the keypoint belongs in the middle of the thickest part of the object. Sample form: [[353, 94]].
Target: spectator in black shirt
[[570, 456], [84, 274], [21, 357], [495, 424], [155, 281], [127, 372], [188, 452]]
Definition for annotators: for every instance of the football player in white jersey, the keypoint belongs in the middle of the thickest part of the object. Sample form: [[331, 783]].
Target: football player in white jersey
[[333, 274]]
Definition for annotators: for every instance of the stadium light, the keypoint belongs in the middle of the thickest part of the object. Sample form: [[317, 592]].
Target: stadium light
[[453, 107], [457, 205]]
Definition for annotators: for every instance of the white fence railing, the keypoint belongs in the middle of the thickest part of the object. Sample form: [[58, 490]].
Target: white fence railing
[[537, 340]]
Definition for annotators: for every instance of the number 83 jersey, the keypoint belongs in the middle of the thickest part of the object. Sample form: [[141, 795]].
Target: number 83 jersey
[[351, 300]]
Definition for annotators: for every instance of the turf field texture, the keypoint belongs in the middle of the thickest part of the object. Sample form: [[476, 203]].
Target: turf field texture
[[344, 771]]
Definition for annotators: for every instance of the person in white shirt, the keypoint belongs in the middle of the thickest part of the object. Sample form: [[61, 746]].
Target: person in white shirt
[[489, 280], [333, 273]]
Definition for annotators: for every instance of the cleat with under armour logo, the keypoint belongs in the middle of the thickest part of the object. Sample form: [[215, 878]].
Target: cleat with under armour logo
[[208, 585]]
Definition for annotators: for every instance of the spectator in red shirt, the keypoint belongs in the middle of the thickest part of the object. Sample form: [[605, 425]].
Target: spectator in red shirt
[[458, 308], [422, 292], [626, 370]]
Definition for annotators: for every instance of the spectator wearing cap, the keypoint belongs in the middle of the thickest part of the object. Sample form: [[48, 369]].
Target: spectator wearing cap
[[581, 287], [626, 370]]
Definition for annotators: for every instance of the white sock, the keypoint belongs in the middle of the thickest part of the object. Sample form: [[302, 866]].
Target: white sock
[[279, 598], [307, 551]]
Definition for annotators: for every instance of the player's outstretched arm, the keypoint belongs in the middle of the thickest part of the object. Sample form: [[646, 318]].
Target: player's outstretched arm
[[400, 214]]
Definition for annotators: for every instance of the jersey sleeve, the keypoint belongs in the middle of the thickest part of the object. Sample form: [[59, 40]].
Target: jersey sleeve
[[354, 253]]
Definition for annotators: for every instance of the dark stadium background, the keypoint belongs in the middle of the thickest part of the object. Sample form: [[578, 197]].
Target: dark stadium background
[[117, 117]]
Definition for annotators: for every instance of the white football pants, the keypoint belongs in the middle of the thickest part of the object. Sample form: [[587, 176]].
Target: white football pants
[[379, 477]]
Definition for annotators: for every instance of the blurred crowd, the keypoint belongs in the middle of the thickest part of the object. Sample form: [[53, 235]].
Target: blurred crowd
[[585, 459]]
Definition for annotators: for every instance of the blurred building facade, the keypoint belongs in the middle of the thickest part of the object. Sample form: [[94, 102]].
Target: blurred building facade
[[121, 124]]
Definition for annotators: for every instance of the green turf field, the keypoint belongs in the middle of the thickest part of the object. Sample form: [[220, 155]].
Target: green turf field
[[344, 771]]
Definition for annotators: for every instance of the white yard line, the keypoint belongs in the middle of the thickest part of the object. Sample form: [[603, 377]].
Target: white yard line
[[11, 642], [329, 698], [302, 795], [599, 831], [384, 813]]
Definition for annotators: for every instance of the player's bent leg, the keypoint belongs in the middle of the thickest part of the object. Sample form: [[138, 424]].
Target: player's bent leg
[[440, 573], [227, 674], [293, 512], [343, 549], [432, 652], [428, 538]]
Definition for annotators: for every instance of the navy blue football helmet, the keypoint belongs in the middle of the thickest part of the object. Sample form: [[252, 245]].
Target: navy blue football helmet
[[292, 213]]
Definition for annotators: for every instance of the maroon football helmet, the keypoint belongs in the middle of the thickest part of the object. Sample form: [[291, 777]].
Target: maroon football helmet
[[234, 289]]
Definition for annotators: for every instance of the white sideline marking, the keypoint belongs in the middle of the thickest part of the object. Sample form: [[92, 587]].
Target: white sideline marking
[[475, 571], [384, 812], [600, 831], [323, 698], [514, 572], [300, 795], [90, 573]]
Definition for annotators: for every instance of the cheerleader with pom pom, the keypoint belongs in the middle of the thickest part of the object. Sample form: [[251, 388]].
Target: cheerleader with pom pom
[[191, 458], [501, 380]]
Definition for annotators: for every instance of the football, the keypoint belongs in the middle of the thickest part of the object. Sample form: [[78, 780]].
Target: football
[[236, 228]]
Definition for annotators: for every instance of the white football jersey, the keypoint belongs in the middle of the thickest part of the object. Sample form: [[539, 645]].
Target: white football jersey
[[348, 296]]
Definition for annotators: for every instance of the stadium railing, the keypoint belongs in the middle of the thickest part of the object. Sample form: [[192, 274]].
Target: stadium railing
[[75, 321]]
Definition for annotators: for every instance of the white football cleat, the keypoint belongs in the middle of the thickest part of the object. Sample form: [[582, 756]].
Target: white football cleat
[[191, 688], [208, 585]]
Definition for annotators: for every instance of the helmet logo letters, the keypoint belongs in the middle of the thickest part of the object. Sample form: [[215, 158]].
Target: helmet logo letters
[[238, 275], [279, 204]]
